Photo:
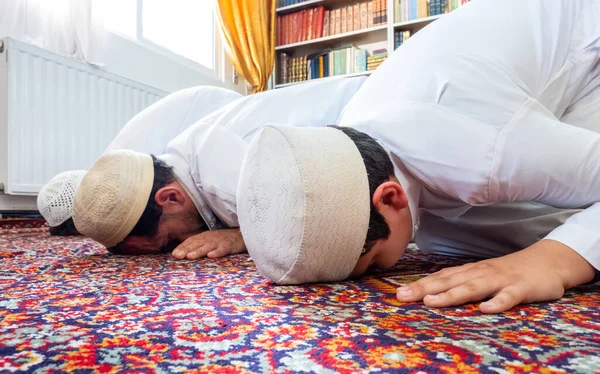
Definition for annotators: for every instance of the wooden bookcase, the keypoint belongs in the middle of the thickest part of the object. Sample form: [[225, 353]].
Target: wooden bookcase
[[374, 38]]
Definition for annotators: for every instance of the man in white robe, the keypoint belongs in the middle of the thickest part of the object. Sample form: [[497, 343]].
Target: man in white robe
[[489, 118], [186, 197], [148, 131]]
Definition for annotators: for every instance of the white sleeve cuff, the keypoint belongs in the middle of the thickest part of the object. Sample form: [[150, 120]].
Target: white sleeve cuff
[[582, 240]]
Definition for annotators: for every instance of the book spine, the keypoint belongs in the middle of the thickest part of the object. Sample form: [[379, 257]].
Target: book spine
[[348, 67], [309, 23], [277, 30], [343, 20], [300, 25], [350, 18], [385, 11], [370, 13], [305, 68], [326, 18], [294, 28], [286, 30], [321, 23], [282, 68], [321, 67], [338, 21], [315, 23], [361, 60], [356, 20], [364, 15]]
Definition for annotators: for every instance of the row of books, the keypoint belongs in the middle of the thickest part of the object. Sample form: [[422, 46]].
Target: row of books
[[319, 22], [376, 59], [400, 37], [407, 10], [332, 63], [300, 26]]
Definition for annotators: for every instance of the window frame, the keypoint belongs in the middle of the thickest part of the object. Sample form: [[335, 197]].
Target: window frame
[[214, 72]]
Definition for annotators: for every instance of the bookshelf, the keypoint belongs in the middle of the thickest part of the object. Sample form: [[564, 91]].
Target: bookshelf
[[300, 55]]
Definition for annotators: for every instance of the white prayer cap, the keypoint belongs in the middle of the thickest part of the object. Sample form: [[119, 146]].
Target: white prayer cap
[[303, 204], [55, 200], [113, 195]]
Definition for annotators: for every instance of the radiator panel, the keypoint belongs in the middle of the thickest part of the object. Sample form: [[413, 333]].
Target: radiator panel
[[62, 114]]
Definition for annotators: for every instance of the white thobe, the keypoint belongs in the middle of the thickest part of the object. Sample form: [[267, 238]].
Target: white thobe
[[151, 130], [491, 117], [207, 157]]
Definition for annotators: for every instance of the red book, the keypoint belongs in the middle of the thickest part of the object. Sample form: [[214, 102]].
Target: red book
[[288, 29], [315, 23], [283, 30], [300, 29], [295, 27], [321, 15], [305, 20], [321, 21], [309, 28], [279, 30]]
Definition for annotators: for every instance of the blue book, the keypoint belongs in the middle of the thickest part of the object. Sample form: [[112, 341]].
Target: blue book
[[415, 9]]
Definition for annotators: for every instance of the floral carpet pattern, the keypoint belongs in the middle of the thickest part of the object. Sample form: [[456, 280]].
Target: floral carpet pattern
[[67, 305]]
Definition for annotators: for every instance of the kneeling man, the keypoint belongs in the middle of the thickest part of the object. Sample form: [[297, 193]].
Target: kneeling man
[[472, 139]]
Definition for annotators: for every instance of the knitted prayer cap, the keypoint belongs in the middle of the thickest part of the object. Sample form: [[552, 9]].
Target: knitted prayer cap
[[303, 204], [113, 195]]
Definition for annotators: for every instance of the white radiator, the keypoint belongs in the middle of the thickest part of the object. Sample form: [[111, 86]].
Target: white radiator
[[57, 114]]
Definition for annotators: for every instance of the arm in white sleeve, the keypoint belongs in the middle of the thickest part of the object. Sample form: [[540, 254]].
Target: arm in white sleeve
[[214, 155], [538, 158]]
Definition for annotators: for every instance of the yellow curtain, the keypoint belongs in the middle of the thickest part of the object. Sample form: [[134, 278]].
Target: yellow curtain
[[248, 29]]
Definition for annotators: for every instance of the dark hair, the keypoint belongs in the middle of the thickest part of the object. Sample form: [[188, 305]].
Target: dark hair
[[379, 170], [66, 228], [148, 222]]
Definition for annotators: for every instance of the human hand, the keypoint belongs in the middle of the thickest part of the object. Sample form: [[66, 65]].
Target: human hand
[[211, 244], [541, 272]]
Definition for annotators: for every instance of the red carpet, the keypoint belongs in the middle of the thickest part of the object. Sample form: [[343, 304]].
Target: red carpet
[[67, 305]]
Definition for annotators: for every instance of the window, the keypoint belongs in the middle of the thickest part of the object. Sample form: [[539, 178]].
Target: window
[[183, 27]]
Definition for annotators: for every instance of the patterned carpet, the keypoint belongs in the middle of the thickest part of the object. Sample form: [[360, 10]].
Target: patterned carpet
[[66, 305]]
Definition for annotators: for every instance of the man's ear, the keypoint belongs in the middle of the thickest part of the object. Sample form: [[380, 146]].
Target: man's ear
[[390, 195], [169, 195]]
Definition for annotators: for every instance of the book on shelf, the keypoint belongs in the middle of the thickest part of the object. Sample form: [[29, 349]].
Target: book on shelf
[[317, 22], [325, 64], [379, 12], [376, 58], [400, 37], [349, 18], [408, 10], [356, 14], [326, 19]]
